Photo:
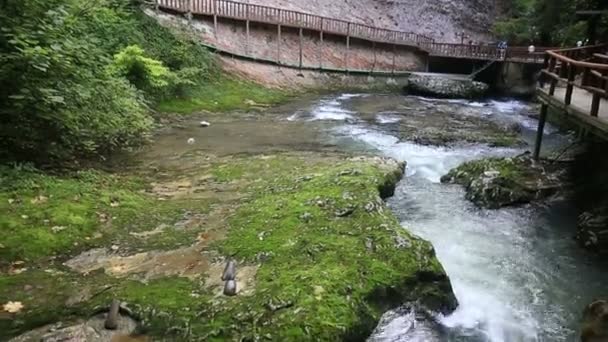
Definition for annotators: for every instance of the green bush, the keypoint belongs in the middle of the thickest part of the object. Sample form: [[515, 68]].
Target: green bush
[[147, 74], [75, 80]]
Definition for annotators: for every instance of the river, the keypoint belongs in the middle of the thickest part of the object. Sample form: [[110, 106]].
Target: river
[[517, 272]]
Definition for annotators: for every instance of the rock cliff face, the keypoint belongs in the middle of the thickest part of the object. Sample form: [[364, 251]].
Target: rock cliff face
[[441, 19]]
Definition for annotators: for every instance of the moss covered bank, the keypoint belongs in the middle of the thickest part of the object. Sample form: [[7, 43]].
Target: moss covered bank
[[319, 256]]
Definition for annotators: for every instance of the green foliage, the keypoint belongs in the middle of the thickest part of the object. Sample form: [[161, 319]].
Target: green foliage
[[546, 22], [144, 73], [222, 94], [73, 81], [44, 215]]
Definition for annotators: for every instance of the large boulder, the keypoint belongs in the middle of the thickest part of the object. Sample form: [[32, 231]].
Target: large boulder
[[592, 229], [445, 86], [595, 322], [497, 182]]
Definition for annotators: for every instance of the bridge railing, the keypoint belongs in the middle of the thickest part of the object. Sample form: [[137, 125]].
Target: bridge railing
[[584, 68], [265, 14], [487, 52]]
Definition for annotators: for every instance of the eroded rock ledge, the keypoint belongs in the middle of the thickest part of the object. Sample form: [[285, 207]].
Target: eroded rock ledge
[[497, 182]]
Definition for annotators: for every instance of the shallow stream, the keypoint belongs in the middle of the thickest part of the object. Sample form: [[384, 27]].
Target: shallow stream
[[517, 272]]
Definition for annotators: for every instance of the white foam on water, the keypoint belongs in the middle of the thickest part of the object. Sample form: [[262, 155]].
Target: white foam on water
[[332, 109], [387, 119]]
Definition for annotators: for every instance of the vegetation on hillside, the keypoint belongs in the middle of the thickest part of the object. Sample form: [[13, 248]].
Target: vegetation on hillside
[[78, 78], [548, 22]]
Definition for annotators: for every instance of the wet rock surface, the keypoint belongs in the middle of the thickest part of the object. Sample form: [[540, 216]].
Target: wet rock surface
[[595, 322], [592, 229], [437, 122], [497, 182], [445, 87], [90, 330]]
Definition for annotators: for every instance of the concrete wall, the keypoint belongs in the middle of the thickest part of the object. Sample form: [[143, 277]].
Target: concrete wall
[[262, 42], [281, 77]]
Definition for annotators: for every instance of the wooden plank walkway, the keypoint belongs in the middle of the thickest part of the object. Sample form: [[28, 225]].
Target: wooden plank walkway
[[575, 82], [246, 12]]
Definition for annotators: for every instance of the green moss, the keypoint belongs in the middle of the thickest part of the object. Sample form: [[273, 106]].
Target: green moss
[[498, 182], [45, 215], [331, 268], [325, 249], [224, 94]]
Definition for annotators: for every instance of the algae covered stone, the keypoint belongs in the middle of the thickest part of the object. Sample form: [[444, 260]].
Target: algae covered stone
[[498, 182], [327, 277]]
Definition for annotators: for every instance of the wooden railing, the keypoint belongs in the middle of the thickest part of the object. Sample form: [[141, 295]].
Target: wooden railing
[[278, 16], [486, 52], [584, 68]]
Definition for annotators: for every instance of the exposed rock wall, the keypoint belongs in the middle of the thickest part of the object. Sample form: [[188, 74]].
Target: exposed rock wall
[[441, 19]]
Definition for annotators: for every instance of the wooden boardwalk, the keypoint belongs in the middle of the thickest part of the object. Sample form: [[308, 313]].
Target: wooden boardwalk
[[250, 13], [575, 83]]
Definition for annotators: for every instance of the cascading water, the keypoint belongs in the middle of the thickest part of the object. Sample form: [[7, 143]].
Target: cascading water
[[517, 273]]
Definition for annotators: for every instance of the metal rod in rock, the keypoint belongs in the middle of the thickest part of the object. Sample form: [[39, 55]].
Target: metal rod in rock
[[111, 322], [229, 271]]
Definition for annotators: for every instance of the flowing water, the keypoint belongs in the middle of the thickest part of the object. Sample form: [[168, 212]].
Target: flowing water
[[517, 272]]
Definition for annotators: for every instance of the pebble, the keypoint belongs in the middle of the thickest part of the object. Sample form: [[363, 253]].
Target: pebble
[[230, 288], [191, 141]]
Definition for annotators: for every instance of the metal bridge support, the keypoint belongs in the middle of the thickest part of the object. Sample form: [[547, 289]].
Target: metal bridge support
[[321, 46], [347, 47], [215, 18], [247, 37], [279, 45], [374, 49], [539, 132], [301, 52], [394, 56]]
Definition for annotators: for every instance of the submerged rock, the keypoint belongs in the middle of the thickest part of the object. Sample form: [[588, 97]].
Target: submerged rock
[[498, 182], [592, 229], [446, 87], [595, 322]]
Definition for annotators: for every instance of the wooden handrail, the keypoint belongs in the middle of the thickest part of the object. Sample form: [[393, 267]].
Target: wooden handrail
[[566, 65], [266, 14], [557, 54], [258, 13]]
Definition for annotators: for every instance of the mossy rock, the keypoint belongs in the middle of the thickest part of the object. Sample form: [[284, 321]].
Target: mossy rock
[[319, 256], [497, 182]]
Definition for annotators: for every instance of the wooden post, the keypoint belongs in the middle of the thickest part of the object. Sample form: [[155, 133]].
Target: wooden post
[[552, 86], [347, 47], [570, 86], [539, 132], [595, 105], [321, 45], [279, 44], [301, 52]]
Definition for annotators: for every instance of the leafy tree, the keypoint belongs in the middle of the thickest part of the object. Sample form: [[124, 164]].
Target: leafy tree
[[75, 81]]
